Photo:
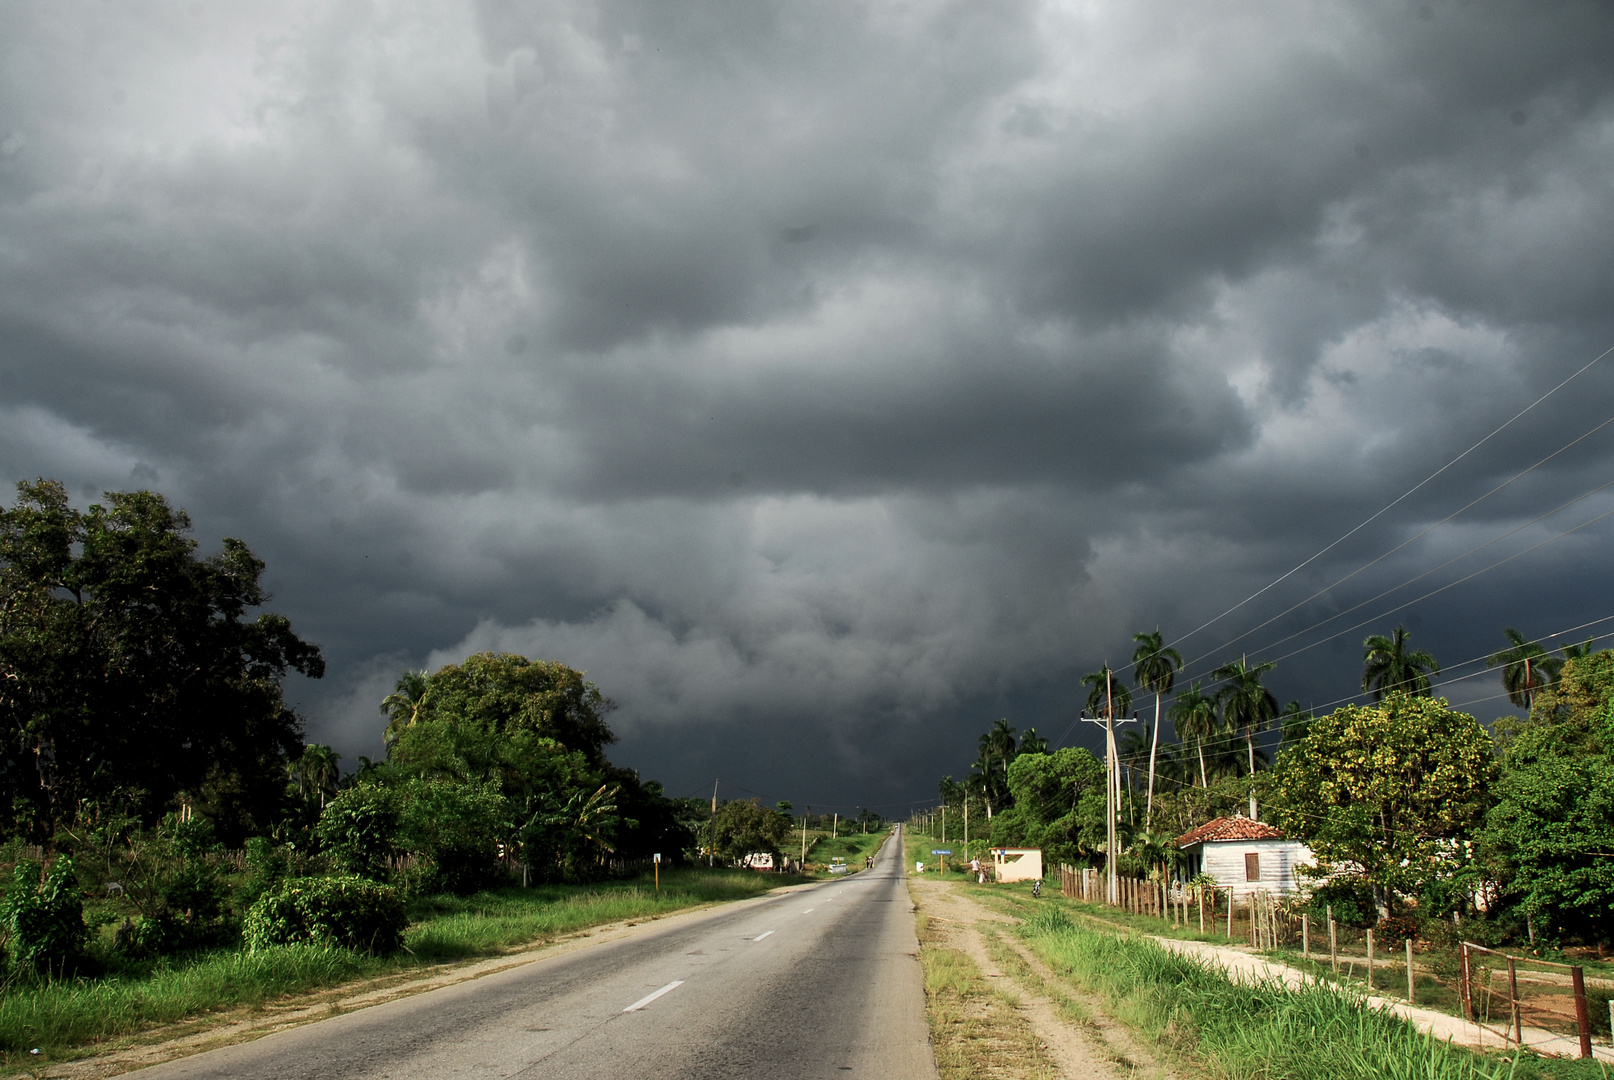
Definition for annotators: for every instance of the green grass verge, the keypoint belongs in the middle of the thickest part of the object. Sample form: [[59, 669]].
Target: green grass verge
[[67, 1018], [1266, 1030]]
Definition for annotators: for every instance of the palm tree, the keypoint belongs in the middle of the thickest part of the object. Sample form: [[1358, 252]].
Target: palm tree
[[402, 706], [1109, 696], [1578, 652], [1388, 666], [1526, 668], [1246, 705], [1032, 743], [316, 772], [1194, 715], [1292, 722], [1155, 667]]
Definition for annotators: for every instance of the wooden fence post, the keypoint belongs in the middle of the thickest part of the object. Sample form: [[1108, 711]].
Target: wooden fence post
[[1583, 1021], [1305, 935], [1513, 1003], [1333, 941], [1370, 960], [1230, 912], [1411, 986], [1467, 985]]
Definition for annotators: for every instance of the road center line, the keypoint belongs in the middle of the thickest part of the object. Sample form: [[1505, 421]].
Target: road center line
[[809, 911], [648, 998], [762, 935]]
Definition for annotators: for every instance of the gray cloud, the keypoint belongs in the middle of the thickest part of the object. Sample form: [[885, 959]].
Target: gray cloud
[[829, 381]]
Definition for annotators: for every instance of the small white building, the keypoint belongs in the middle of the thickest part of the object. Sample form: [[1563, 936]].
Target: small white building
[[1245, 856], [1017, 864]]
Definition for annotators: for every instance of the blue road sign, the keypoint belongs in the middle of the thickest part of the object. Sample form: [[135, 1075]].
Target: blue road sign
[[941, 851]]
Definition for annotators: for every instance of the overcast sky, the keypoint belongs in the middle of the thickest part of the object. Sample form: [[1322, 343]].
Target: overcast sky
[[827, 379]]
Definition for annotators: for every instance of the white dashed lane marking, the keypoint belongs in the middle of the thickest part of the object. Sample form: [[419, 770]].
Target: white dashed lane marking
[[648, 998]]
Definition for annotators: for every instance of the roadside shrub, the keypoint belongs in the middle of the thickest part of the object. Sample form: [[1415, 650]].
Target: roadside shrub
[[1351, 899], [351, 912], [455, 826], [43, 919], [359, 830], [1396, 928]]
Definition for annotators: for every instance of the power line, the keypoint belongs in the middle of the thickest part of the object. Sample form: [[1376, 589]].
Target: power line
[[1411, 540]]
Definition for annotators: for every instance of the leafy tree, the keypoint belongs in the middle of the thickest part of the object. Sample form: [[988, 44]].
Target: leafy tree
[[1155, 667], [1526, 668], [1246, 705], [1387, 665], [1193, 716], [1548, 837], [1387, 792], [745, 826], [129, 667], [507, 694], [1059, 805]]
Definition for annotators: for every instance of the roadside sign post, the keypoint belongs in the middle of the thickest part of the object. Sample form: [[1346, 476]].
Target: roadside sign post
[[941, 854], [657, 860]]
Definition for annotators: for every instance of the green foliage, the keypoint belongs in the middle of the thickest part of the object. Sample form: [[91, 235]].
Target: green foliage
[[1548, 838], [1058, 806], [1389, 791], [43, 919], [745, 826], [1387, 665], [130, 669], [350, 912], [457, 827], [1248, 1028], [359, 830], [1349, 898], [504, 695]]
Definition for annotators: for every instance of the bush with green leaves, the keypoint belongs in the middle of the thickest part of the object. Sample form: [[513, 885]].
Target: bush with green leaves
[[350, 912], [172, 875], [359, 830], [43, 919], [457, 826]]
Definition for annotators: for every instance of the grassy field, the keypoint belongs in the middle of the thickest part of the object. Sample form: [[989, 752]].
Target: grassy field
[[69, 1018], [849, 846], [1268, 1030]]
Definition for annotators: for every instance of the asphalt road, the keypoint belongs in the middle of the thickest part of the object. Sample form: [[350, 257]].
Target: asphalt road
[[820, 982]]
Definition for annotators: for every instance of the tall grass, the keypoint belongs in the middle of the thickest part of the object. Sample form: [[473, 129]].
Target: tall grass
[[1246, 1030], [59, 1016]]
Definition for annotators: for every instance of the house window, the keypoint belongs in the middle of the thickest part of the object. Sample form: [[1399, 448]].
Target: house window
[[1252, 867]]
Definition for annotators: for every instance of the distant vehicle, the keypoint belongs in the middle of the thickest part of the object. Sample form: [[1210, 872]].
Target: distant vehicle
[[758, 860]]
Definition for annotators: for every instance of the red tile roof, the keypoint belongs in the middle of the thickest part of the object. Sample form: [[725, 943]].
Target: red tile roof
[[1229, 828]]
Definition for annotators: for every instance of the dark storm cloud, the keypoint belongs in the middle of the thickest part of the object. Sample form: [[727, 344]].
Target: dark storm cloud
[[820, 376]]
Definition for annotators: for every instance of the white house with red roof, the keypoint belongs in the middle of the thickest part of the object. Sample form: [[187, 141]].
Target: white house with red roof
[[1245, 856]]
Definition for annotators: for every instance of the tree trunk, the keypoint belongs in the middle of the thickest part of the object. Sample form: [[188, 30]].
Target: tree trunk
[[1249, 741], [1154, 745]]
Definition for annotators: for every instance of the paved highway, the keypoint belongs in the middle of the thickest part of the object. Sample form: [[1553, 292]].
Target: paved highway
[[820, 982]]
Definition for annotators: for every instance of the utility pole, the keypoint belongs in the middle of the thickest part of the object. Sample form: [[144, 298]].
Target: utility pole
[[711, 852], [835, 829], [966, 827], [804, 818], [1112, 789]]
